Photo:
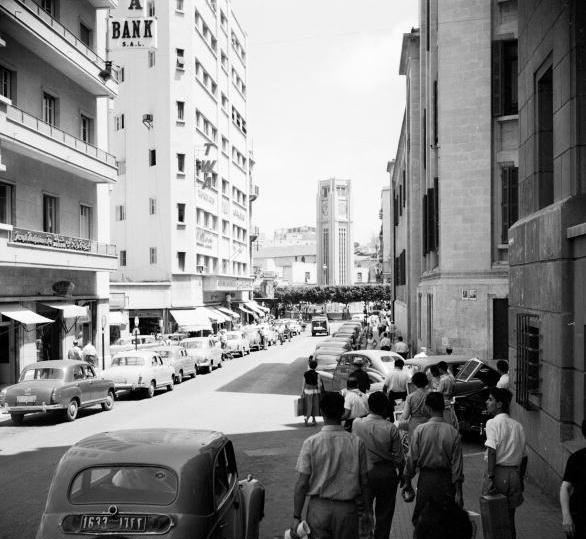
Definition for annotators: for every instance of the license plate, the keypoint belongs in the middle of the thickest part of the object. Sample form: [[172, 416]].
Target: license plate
[[109, 523], [26, 399]]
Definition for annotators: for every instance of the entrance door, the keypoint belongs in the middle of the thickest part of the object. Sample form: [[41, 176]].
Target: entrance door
[[8, 374], [500, 328]]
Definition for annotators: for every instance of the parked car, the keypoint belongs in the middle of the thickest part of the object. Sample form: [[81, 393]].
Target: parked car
[[172, 338], [61, 385], [252, 334], [179, 359], [140, 370], [295, 327], [271, 334], [320, 326], [205, 353], [172, 483], [237, 343], [133, 342]]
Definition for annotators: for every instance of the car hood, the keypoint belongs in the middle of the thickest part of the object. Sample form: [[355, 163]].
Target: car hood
[[42, 389]]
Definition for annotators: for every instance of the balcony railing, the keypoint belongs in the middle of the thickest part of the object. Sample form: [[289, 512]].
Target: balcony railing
[[254, 192], [57, 27], [36, 238], [31, 122]]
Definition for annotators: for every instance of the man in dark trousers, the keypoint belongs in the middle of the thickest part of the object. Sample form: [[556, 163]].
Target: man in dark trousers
[[332, 471], [360, 375], [384, 455], [573, 493], [435, 450]]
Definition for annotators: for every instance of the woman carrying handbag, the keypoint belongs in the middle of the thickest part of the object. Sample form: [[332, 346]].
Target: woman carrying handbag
[[310, 393]]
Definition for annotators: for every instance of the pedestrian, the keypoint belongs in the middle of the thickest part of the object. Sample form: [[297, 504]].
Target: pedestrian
[[506, 454], [332, 471], [503, 367], [573, 493], [434, 377], [385, 342], [396, 382], [392, 330], [310, 392], [415, 412], [89, 353], [447, 387], [436, 451], [422, 352], [384, 456], [375, 337], [355, 403], [402, 348], [361, 375], [75, 351]]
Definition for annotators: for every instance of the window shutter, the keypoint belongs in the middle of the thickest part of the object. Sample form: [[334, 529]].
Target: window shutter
[[424, 225], [505, 177], [513, 195], [497, 78], [436, 212], [430, 220]]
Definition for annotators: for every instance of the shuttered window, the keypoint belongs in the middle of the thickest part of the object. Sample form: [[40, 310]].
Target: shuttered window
[[510, 200]]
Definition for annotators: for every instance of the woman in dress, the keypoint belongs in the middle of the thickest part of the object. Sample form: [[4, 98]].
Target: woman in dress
[[415, 412], [311, 392]]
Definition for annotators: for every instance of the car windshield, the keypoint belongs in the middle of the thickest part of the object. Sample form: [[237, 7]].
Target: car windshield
[[124, 484], [194, 344], [387, 359], [128, 361], [165, 353], [42, 373]]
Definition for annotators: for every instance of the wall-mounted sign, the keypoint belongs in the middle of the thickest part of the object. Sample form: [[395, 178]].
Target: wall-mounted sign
[[205, 196], [239, 214], [203, 239], [50, 240], [469, 294], [132, 33]]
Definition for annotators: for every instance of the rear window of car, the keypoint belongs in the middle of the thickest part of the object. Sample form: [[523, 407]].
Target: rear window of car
[[42, 373], [150, 485], [127, 361]]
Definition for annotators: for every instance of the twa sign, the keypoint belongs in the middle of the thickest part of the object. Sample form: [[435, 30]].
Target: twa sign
[[132, 33]]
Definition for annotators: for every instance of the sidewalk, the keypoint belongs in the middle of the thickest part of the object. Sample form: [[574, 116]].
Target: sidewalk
[[271, 457]]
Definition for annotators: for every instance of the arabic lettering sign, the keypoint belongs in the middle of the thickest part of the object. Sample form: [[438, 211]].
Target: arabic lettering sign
[[203, 239], [239, 214], [51, 240]]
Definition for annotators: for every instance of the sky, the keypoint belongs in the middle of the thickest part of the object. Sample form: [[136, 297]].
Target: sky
[[325, 99]]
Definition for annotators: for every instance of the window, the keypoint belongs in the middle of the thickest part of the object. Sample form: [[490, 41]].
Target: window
[[85, 35], [49, 6], [120, 212], [225, 185], [179, 5], [153, 255], [225, 144], [152, 206], [50, 214], [181, 260], [122, 258], [86, 129], [544, 125], [49, 109], [152, 158], [151, 58], [6, 204], [181, 213], [85, 222], [224, 101], [121, 74], [430, 217], [119, 122], [504, 78], [151, 9], [510, 198], [181, 111], [6, 81], [180, 58], [528, 351], [358, 277], [181, 163]]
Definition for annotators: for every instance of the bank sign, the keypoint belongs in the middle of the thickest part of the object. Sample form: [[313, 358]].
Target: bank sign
[[132, 33]]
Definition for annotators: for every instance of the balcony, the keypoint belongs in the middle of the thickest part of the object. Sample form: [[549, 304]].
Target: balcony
[[254, 191], [104, 4], [27, 135], [26, 22], [253, 234], [31, 248]]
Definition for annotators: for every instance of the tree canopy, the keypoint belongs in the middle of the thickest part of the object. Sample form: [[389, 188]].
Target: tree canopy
[[293, 295]]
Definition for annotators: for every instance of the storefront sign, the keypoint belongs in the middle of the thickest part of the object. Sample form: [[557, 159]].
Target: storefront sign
[[203, 195], [212, 284], [203, 239], [132, 32], [51, 240], [239, 214]]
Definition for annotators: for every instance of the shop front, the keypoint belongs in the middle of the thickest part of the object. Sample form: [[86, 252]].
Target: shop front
[[226, 294]]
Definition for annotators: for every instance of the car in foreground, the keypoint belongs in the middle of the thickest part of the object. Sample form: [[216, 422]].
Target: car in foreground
[[205, 353], [171, 483], [320, 326], [179, 359], [62, 385], [140, 371]]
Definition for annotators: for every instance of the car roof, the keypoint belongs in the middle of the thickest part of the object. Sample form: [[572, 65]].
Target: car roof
[[424, 362], [56, 364], [167, 347], [140, 352], [375, 353], [192, 339]]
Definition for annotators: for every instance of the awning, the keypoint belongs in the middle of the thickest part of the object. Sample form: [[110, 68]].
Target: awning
[[220, 316], [228, 312], [192, 319], [117, 318], [69, 310], [213, 315], [246, 310], [255, 308], [265, 310], [22, 315]]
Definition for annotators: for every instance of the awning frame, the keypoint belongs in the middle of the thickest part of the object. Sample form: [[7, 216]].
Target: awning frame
[[23, 316]]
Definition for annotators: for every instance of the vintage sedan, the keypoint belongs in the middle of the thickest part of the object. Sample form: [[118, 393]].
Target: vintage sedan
[[171, 483], [62, 385], [133, 342], [140, 370], [320, 326], [179, 359], [237, 343], [252, 334], [205, 353]]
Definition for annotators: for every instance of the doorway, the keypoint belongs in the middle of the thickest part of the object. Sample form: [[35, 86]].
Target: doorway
[[500, 328], [8, 369]]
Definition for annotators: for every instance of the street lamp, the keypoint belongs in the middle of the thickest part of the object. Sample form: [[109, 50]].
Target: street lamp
[[104, 321]]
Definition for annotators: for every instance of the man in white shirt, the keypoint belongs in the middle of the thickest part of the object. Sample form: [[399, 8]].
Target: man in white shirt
[[506, 454], [503, 368], [396, 382], [355, 403], [401, 347], [89, 353]]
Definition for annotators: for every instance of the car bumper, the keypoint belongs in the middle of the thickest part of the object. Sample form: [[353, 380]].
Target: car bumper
[[31, 408], [121, 386]]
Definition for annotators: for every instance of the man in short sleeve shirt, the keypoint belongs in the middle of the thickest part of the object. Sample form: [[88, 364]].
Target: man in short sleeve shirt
[[573, 494]]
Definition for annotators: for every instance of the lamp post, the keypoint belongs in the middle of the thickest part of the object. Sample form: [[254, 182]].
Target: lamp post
[[104, 320]]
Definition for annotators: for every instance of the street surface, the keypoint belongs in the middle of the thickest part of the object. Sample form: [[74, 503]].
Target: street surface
[[251, 400]]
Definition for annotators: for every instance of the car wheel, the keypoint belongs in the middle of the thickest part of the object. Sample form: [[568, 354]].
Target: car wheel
[[71, 410], [17, 419], [150, 392], [171, 385], [179, 378], [195, 371], [108, 404], [209, 368]]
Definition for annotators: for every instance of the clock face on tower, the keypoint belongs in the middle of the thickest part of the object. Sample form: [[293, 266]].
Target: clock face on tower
[[324, 207]]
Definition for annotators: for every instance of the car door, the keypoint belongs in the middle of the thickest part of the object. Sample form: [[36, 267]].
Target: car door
[[84, 385], [96, 386]]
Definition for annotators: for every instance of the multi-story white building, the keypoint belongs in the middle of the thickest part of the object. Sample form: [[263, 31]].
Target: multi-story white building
[[182, 234], [54, 171], [335, 250]]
